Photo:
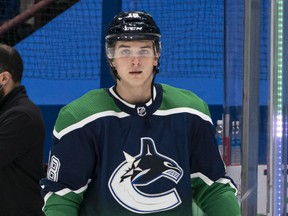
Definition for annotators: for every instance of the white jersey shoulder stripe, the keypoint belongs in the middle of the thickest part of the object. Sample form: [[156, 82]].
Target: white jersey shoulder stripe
[[91, 118], [87, 120], [203, 177], [209, 182], [65, 191], [184, 110]]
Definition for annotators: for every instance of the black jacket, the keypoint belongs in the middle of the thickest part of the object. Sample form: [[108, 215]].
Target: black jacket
[[22, 135]]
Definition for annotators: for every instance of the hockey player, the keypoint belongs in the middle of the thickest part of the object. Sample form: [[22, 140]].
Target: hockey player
[[138, 147]]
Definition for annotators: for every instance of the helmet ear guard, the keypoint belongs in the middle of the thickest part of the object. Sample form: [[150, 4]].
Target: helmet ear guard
[[131, 26]]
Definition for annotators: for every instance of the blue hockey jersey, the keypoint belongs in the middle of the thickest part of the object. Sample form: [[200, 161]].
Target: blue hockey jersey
[[110, 157]]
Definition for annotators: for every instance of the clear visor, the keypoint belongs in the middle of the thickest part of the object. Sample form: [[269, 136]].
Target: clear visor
[[130, 52]]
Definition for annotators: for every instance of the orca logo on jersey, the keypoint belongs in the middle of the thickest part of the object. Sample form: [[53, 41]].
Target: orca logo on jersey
[[134, 173]]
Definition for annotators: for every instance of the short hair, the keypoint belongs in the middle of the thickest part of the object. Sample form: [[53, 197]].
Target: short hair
[[11, 61]]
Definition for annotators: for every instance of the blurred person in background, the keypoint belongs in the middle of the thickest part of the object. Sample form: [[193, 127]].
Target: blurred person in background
[[22, 135]]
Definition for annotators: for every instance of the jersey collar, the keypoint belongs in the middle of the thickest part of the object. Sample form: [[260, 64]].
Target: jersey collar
[[141, 109]]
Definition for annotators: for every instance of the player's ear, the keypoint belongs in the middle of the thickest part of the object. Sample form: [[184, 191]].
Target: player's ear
[[112, 63], [5, 76], [156, 59]]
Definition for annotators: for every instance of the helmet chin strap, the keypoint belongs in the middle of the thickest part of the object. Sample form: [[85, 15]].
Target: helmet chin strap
[[155, 71], [115, 74]]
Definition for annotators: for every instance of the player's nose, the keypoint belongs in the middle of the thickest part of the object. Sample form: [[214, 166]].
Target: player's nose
[[135, 61]]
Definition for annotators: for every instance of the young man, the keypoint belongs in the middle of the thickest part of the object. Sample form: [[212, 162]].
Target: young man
[[137, 147], [22, 135]]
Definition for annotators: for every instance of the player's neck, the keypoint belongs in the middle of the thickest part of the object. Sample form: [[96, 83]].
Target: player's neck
[[134, 95]]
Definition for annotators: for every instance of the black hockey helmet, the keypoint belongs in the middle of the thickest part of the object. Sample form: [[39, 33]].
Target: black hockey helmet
[[132, 25]]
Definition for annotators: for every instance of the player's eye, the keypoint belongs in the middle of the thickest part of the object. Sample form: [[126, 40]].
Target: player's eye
[[125, 52], [144, 52]]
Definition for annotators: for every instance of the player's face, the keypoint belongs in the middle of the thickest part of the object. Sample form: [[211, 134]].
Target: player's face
[[134, 62]]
